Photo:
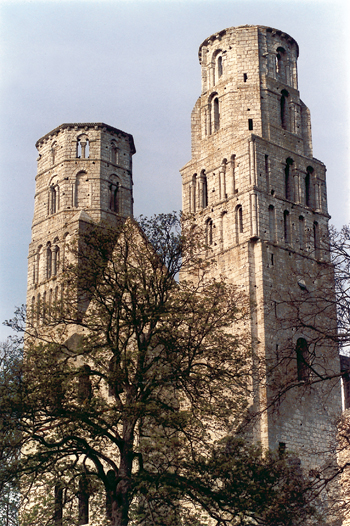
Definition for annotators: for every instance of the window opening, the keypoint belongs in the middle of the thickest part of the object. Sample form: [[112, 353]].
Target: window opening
[[216, 114], [286, 226], [114, 190], [219, 66], [53, 199], [301, 232], [272, 223], [309, 171], [203, 190], [316, 240], [245, 77], [209, 232], [250, 124], [83, 147], [288, 179], [302, 352], [48, 261], [284, 109], [272, 260]]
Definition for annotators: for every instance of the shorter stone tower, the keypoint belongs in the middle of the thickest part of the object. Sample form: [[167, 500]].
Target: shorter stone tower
[[84, 175]]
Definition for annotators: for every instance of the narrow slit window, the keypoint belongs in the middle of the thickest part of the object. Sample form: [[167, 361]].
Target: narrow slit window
[[245, 77], [250, 124], [302, 353]]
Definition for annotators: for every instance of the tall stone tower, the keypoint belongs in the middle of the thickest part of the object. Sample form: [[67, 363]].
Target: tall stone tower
[[255, 186], [84, 174]]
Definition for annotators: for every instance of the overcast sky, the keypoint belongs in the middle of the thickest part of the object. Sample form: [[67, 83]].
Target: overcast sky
[[134, 65]]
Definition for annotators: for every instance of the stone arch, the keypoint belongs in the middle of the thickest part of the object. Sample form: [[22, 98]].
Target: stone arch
[[239, 222], [213, 113]]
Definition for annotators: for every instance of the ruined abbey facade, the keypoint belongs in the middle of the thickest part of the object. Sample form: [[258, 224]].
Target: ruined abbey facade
[[255, 186]]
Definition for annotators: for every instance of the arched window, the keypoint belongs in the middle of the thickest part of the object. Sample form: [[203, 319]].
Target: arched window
[[303, 359], [53, 199], [55, 259], [239, 222], [272, 228], [222, 180], [48, 261], [115, 195], [44, 307], [216, 115], [308, 200], [209, 232], [38, 264], [288, 180], [286, 226], [284, 109], [83, 147], [219, 66], [193, 194], [83, 498], [223, 233], [301, 232], [280, 62]]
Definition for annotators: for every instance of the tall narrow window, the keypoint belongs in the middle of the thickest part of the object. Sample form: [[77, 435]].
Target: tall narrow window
[[48, 261], [58, 506], [272, 228], [209, 232], [302, 353], [203, 190], [83, 497], [55, 259], [301, 232], [216, 114], [114, 193], [53, 199], [286, 225], [54, 149], [284, 109], [308, 176], [234, 188], [32, 313], [219, 66], [316, 240], [239, 222], [194, 194], [250, 124], [288, 180]]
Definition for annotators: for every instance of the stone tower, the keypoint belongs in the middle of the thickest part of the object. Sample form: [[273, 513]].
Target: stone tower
[[255, 186], [84, 174]]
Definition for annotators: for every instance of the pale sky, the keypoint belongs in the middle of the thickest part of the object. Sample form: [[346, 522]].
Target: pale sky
[[134, 65]]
